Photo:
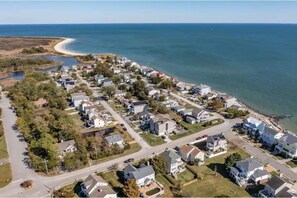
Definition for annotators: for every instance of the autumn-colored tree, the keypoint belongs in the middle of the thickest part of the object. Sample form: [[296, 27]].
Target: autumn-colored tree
[[131, 188]]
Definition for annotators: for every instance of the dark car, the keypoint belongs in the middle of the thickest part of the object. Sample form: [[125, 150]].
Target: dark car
[[129, 160], [205, 136]]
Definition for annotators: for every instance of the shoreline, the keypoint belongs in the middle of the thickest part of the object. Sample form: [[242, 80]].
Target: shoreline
[[268, 119], [60, 47]]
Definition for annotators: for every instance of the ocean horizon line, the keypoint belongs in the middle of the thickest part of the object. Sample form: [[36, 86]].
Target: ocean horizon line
[[154, 23]]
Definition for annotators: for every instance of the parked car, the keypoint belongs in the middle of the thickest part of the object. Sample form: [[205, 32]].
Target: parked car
[[204, 136], [129, 160], [27, 184]]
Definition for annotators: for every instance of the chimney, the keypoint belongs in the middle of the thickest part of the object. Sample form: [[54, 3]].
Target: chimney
[[281, 175], [148, 162]]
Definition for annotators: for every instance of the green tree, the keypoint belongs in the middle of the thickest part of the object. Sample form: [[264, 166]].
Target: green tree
[[109, 90], [131, 188], [217, 104], [166, 84], [116, 79], [158, 163], [232, 159]]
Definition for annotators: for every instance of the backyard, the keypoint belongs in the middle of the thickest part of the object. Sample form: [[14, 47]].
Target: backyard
[[216, 183]]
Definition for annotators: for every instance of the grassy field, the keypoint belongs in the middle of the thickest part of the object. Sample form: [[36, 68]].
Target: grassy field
[[291, 164], [3, 149], [5, 175], [216, 184], [192, 128], [185, 176], [152, 139]]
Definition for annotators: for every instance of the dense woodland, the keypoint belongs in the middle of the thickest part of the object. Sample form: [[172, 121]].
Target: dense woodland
[[22, 64], [43, 127]]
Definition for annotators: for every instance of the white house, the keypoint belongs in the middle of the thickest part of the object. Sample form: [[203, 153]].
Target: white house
[[115, 139], [77, 98], [66, 147], [278, 187], [85, 104], [152, 91], [190, 153], [287, 145], [144, 176], [183, 87], [249, 171], [96, 121], [254, 126], [203, 90], [270, 136], [95, 186], [199, 114], [227, 100], [216, 143], [174, 164], [99, 79]]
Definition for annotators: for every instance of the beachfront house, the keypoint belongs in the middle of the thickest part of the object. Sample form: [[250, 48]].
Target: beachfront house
[[191, 153], [183, 87], [277, 187], [287, 145], [202, 90], [249, 171], [77, 98], [174, 164], [161, 125], [254, 126], [199, 114], [95, 186], [144, 175], [270, 137], [227, 100]]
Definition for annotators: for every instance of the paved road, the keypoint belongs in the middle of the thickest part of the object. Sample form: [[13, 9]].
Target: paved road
[[43, 186], [16, 147]]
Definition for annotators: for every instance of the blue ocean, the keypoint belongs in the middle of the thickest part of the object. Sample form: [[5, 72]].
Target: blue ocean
[[257, 63]]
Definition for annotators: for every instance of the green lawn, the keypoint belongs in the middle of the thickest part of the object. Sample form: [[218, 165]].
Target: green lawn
[[214, 184], [192, 128], [185, 176], [133, 148], [152, 139], [70, 190], [5, 175], [3, 149], [112, 177], [291, 164], [77, 119]]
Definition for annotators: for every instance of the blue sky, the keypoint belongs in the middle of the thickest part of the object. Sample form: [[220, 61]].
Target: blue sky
[[44, 12]]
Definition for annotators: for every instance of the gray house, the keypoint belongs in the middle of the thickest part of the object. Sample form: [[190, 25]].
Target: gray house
[[138, 107], [162, 125], [143, 176], [106, 82], [173, 162], [115, 139]]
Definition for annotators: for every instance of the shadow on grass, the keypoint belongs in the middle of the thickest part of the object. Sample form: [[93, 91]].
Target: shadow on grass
[[76, 188], [253, 190], [219, 168]]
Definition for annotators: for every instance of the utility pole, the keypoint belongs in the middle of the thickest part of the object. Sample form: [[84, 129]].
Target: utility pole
[[45, 164]]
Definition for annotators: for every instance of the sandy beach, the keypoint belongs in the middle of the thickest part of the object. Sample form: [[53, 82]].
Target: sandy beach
[[60, 47]]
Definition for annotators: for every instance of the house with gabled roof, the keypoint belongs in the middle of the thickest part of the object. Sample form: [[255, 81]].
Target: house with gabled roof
[[95, 186], [162, 125], [248, 171], [191, 153], [144, 175], [270, 137], [77, 98], [199, 114], [254, 126], [66, 147], [277, 187], [174, 164], [287, 145], [115, 139]]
